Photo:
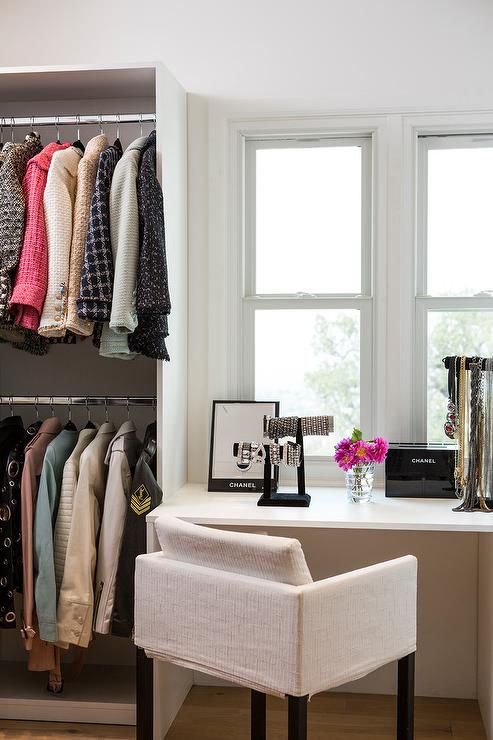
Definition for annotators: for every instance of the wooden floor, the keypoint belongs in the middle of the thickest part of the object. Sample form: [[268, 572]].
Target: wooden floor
[[223, 714]]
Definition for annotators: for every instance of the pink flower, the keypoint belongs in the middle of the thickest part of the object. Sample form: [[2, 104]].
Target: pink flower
[[350, 452], [379, 449], [344, 455], [362, 452]]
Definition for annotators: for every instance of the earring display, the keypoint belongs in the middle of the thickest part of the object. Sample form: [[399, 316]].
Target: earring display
[[291, 454]]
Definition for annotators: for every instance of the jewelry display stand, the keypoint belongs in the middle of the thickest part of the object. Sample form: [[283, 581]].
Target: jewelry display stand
[[284, 498]]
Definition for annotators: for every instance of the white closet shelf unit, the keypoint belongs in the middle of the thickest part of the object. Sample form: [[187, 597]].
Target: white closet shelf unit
[[121, 99]]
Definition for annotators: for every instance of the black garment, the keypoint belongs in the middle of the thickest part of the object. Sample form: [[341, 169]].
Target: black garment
[[11, 433], [13, 475], [153, 301], [144, 496]]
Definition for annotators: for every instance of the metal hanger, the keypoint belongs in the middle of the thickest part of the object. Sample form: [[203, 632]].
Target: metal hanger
[[57, 127], [128, 408], [52, 408], [70, 426], [36, 409], [90, 424], [140, 121], [11, 406], [118, 127], [101, 130], [12, 139], [106, 415]]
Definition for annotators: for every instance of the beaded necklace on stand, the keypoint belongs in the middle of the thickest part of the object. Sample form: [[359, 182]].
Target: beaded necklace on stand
[[474, 490], [460, 479]]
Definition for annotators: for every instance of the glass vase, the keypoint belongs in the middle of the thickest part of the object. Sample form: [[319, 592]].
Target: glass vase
[[359, 483]]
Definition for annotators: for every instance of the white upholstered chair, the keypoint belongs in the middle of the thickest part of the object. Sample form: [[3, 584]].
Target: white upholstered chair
[[243, 607]]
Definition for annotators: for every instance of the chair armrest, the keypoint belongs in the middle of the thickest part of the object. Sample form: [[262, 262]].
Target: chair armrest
[[236, 627], [356, 622]]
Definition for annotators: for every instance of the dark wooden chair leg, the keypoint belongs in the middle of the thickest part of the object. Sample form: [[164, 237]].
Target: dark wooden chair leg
[[258, 715], [297, 717], [145, 697], [405, 698]]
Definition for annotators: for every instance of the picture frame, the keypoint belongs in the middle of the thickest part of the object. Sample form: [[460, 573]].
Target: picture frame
[[237, 421]]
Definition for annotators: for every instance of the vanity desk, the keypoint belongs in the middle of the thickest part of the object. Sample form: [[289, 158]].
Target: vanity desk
[[455, 579]]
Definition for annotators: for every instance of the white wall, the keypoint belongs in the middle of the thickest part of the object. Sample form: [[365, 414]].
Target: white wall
[[345, 53]]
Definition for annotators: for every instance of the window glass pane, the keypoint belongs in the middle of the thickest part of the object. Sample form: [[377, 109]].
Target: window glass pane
[[308, 220], [452, 333], [309, 360], [460, 221]]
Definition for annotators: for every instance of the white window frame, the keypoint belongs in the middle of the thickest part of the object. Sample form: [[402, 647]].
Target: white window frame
[[227, 340], [425, 303], [361, 301]]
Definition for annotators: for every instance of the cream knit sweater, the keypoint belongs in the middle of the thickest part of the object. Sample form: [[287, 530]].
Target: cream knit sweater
[[124, 230], [86, 177], [58, 202]]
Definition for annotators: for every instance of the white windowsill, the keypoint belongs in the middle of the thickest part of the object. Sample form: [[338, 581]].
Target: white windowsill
[[329, 509]]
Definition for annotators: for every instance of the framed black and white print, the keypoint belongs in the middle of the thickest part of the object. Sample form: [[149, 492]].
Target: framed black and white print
[[238, 421]]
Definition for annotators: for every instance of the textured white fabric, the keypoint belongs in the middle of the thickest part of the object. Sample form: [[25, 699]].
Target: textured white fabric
[[58, 203], [67, 492], [274, 637], [278, 559]]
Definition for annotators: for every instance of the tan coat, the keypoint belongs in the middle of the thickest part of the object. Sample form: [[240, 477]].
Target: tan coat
[[121, 458], [58, 203], [33, 464], [76, 599], [86, 177], [64, 515]]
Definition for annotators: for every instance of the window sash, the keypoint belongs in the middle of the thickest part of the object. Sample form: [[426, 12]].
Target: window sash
[[363, 304], [252, 145]]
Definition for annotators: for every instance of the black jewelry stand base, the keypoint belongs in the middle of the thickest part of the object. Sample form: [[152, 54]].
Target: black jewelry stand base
[[284, 499]]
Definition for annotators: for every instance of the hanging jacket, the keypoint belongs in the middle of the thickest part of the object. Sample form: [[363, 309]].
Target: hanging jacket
[[76, 598], [12, 480], [11, 434], [65, 507], [31, 280], [124, 229], [58, 202], [12, 211], [121, 458], [33, 464], [143, 497], [57, 453], [153, 301], [86, 177], [96, 280]]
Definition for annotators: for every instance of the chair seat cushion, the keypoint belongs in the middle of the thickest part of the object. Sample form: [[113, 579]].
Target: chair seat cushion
[[279, 559]]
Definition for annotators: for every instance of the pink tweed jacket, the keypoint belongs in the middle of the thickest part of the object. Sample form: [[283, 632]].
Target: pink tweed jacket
[[31, 280]]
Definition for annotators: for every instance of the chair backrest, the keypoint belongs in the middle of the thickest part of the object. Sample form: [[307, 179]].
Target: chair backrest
[[279, 559]]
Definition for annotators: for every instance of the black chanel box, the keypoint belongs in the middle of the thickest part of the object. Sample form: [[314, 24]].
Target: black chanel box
[[420, 471]]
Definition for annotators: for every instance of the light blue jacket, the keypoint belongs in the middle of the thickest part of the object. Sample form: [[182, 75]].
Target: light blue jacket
[[57, 453]]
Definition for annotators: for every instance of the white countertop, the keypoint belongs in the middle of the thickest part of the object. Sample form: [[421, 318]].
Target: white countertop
[[329, 509]]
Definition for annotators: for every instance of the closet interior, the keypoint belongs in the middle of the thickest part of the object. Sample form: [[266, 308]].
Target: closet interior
[[73, 381]]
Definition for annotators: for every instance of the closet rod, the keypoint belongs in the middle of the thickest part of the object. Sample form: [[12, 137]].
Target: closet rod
[[78, 400], [74, 120]]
